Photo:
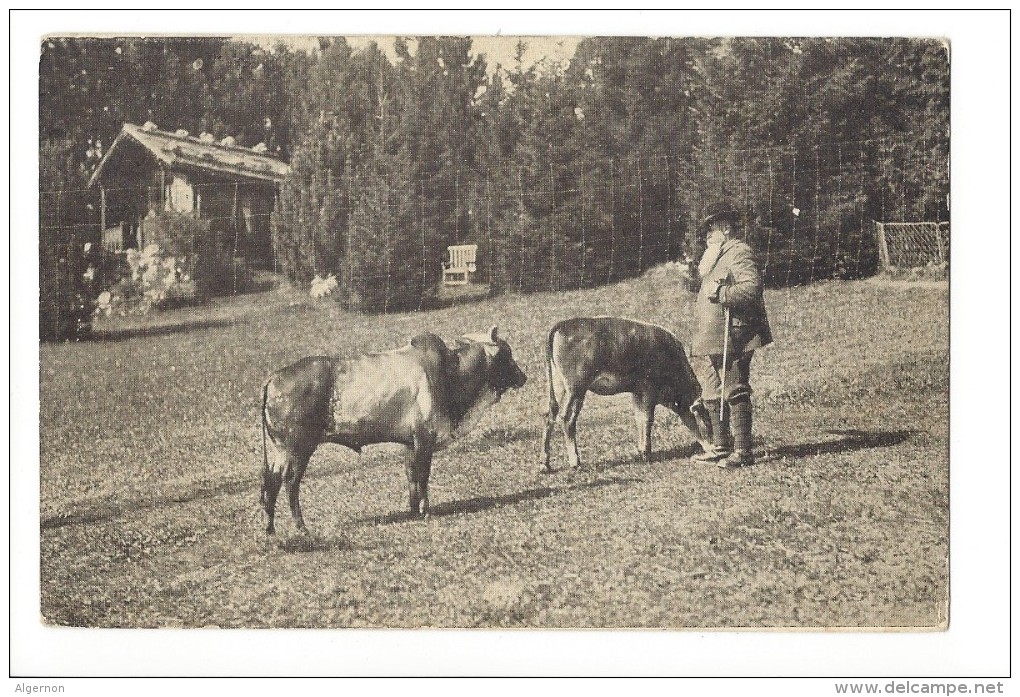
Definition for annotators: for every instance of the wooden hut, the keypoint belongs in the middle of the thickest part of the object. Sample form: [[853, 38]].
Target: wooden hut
[[148, 172]]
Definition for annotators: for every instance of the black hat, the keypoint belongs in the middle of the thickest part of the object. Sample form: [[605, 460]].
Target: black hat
[[720, 212]]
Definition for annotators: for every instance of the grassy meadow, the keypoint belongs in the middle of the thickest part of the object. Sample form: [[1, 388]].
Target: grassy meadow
[[151, 454]]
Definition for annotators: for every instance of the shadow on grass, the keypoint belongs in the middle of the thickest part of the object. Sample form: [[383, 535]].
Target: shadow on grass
[[457, 295], [677, 452], [475, 505], [485, 503], [177, 327], [849, 441], [103, 512]]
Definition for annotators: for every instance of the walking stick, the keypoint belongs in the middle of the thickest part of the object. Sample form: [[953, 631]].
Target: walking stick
[[725, 346]]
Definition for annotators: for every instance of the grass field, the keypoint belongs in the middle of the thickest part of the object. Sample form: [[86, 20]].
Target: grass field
[[150, 460]]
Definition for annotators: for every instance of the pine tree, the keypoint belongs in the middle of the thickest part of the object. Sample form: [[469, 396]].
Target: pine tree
[[64, 295], [386, 265], [310, 217], [828, 126], [639, 100], [438, 86], [310, 223]]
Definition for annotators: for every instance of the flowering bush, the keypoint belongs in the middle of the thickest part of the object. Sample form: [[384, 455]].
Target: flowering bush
[[155, 281], [186, 262], [321, 287]]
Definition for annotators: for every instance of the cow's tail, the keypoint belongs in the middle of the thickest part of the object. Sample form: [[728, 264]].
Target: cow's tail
[[553, 404], [265, 455]]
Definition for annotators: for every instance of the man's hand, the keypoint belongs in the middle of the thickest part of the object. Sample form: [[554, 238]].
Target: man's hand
[[714, 295]]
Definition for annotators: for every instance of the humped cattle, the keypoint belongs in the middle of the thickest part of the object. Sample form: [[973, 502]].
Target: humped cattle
[[424, 395]]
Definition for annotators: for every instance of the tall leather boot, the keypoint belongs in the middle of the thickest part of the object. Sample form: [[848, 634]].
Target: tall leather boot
[[720, 434], [740, 419]]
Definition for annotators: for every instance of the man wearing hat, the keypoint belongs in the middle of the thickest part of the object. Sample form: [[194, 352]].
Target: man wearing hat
[[729, 288]]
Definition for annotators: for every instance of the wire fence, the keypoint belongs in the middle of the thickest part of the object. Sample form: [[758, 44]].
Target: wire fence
[[912, 245], [836, 210]]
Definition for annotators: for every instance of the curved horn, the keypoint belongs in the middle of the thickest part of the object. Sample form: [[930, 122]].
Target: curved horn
[[489, 337]]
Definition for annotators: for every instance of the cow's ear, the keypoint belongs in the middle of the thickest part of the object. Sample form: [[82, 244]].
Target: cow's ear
[[493, 334]]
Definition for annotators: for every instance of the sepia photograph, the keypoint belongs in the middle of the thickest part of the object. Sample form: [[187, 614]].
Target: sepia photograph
[[445, 331]]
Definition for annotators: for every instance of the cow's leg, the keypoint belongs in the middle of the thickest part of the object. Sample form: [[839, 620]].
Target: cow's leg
[[550, 424], [296, 465], [272, 480], [568, 419], [419, 469], [698, 421], [423, 455], [644, 416], [411, 468]]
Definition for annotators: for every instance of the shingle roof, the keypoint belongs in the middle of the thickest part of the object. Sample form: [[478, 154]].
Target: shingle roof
[[176, 149]]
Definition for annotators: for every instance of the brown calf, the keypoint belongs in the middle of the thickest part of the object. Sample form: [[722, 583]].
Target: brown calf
[[610, 355]]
